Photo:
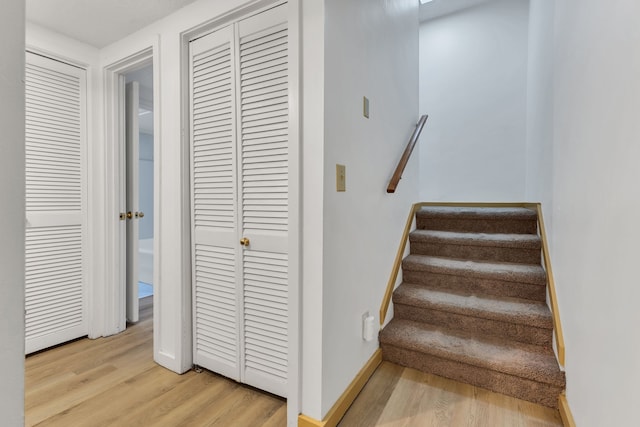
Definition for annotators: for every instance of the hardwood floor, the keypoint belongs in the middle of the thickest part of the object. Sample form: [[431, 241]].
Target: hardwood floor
[[115, 382], [397, 396]]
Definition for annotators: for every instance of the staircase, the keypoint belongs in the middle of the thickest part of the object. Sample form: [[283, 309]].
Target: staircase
[[472, 305]]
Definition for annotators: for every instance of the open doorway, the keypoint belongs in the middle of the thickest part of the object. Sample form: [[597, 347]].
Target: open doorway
[[138, 176]]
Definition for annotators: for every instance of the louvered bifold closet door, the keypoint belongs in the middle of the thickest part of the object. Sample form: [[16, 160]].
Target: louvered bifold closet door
[[214, 199], [264, 140], [55, 139]]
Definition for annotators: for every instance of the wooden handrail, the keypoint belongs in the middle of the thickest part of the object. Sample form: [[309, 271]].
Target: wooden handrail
[[397, 175], [551, 288]]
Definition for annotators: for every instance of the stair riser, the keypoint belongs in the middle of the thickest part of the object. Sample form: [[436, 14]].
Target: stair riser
[[478, 286], [477, 253], [516, 332], [509, 226], [521, 388]]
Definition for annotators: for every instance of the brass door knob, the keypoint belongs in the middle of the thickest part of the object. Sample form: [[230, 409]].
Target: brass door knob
[[141, 214], [129, 215], [244, 241]]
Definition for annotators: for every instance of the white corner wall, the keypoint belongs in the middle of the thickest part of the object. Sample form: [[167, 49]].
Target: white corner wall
[[12, 212], [539, 149], [371, 49], [313, 77], [473, 85], [596, 200]]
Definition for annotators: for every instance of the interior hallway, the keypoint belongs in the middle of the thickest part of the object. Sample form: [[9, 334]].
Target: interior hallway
[[115, 382]]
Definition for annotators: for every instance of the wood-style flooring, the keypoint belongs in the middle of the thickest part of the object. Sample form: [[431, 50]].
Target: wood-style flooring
[[396, 396], [115, 382]]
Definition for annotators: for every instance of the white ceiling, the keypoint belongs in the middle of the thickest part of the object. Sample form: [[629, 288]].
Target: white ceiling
[[438, 8], [99, 22], [102, 22]]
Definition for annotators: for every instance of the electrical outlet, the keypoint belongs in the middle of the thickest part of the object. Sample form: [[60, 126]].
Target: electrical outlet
[[368, 327]]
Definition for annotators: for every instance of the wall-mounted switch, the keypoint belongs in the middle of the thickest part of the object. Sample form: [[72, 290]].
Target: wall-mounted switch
[[365, 106], [341, 178]]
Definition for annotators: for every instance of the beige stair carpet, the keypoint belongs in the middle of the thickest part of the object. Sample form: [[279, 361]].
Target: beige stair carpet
[[472, 303]]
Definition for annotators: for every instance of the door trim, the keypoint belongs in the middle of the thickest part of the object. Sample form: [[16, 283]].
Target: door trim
[[294, 400], [113, 295], [295, 236]]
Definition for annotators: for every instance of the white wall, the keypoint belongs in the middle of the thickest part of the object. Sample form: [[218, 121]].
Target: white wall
[[596, 200], [371, 49], [539, 150], [12, 212], [313, 102], [473, 85]]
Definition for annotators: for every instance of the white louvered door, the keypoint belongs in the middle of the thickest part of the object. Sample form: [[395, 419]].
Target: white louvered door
[[264, 202], [213, 204], [240, 122], [55, 139]]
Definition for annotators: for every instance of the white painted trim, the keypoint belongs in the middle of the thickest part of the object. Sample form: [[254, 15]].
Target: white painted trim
[[114, 291], [295, 238], [294, 399], [110, 186], [241, 12], [57, 57], [186, 309], [158, 355]]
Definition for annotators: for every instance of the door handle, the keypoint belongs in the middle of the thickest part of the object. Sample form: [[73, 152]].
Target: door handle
[[244, 241], [141, 214], [123, 216], [129, 215]]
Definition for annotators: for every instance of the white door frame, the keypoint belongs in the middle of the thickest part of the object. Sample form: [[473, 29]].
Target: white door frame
[[114, 297], [295, 237]]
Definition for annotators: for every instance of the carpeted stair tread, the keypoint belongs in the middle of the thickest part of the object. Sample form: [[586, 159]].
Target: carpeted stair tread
[[516, 241], [509, 357], [509, 272], [466, 212], [472, 305], [479, 220], [503, 309], [479, 246]]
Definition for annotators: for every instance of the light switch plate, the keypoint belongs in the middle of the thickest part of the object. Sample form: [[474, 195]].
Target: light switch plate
[[341, 178], [365, 106]]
